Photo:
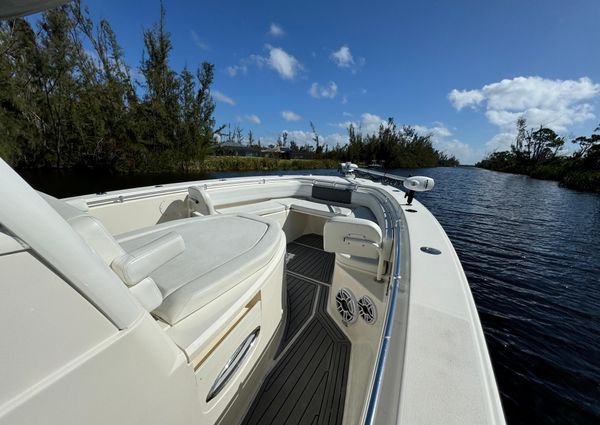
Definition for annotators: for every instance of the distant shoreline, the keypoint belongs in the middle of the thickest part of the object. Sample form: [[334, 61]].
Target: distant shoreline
[[216, 164], [581, 180]]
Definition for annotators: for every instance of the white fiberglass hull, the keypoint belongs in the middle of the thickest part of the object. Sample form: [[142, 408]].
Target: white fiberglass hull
[[138, 319]]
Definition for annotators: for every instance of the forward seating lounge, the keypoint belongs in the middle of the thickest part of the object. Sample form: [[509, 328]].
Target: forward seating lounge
[[191, 262], [211, 268], [282, 299]]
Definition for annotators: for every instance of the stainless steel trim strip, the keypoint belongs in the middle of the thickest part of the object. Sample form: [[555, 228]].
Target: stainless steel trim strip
[[387, 331]]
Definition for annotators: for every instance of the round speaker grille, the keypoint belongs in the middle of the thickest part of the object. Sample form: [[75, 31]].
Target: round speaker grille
[[367, 310], [346, 305]]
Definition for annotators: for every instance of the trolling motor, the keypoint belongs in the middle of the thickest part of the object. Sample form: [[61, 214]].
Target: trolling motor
[[412, 184], [417, 184]]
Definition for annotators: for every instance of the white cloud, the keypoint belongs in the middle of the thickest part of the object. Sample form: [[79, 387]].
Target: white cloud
[[334, 139], [245, 63], [343, 57], [197, 41], [285, 64], [252, 118], [275, 30], [220, 97], [438, 130], [233, 70], [462, 151], [368, 123], [327, 91], [442, 140], [290, 116], [462, 98], [344, 99], [346, 114], [557, 104], [501, 141]]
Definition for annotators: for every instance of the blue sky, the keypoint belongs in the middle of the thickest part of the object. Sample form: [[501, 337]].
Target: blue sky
[[461, 70]]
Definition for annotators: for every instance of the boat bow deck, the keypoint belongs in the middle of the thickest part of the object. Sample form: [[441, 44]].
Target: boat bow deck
[[307, 385]]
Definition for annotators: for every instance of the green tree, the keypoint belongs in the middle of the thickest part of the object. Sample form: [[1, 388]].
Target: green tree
[[107, 96], [206, 105], [316, 139], [63, 106], [392, 147], [238, 136], [58, 69], [587, 144], [188, 137], [160, 107], [543, 145], [21, 120]]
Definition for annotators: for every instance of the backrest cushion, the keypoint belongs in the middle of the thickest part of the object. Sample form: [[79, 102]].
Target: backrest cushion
[[353, 236], [91, 230]]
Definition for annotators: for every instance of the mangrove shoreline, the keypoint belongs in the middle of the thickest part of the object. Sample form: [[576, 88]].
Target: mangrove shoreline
[[536, 153]]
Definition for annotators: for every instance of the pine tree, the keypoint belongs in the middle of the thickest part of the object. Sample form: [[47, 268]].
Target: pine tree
[[63, 106], [206, 105], [160, 108]]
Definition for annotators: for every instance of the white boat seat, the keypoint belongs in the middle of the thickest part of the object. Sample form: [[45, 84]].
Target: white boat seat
[[292, 204], [134, 266], [104, 245], [357, 241], [221, 251], [177, 267], [367, 265], [353, 236], [314, 208], [201, 203], [258, 208]]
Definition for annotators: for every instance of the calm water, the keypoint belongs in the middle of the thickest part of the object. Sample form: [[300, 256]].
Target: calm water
[[531, 252]]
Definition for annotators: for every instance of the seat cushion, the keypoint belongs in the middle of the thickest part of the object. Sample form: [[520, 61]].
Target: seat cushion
[[293, 204], [258, 208], [314, 208], [367, 265], [220, 251]]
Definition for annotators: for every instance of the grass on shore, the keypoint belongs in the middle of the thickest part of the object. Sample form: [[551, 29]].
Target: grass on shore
[[248, 163]]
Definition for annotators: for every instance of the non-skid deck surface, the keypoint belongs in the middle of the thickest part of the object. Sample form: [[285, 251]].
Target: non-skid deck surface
[[309, 261], [308, 383], [316, 241], [301, 300]]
